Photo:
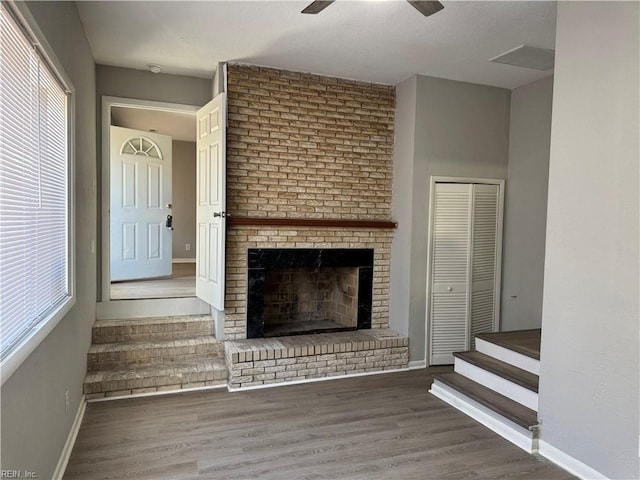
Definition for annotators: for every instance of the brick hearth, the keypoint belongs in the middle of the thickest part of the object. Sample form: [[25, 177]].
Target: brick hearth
[[261, 361]]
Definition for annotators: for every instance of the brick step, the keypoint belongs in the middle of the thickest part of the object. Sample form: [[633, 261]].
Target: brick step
[[155, 378], [123, 355], [151, 329]]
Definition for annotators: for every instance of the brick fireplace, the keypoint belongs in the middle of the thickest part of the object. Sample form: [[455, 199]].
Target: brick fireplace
[[309, 167], [306, 147]]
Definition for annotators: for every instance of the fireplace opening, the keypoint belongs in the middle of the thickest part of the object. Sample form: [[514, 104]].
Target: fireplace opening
[[304, 291], [307, 300]]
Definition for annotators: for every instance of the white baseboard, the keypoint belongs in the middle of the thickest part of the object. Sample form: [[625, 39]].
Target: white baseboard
[[183, 260], [570, 464], [155, 394], [503, 427], [314, 380], [417, 364], [58, 473]]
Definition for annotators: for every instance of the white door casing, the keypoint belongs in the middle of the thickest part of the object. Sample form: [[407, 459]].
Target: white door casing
[[140, 179], [211, 202], [465, 264]]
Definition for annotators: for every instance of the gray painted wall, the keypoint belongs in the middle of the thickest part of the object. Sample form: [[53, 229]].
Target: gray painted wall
[[461, 129], [141, 85], [589, 385], [217, 81], [403, 154], [184, 198], [35, 425], [526, 206], [160, 87]]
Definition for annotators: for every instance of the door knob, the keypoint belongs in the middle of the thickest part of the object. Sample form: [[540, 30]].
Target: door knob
[[219, 214], [449, 289]]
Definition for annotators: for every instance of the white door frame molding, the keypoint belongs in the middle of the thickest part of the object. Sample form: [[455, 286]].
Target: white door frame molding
[[498, 286], [107, 104]]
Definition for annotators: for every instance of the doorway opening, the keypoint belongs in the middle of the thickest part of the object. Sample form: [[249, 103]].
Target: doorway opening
[[164, 182]]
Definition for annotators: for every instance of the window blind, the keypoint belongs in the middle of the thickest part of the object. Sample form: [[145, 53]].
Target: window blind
[[34, 187]]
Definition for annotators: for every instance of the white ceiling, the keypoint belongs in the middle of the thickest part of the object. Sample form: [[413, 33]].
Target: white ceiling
[[179, 126], [375, 41]]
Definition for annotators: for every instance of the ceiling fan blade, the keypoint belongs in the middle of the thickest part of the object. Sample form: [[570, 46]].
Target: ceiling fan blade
[[425, 7], [317, 6]]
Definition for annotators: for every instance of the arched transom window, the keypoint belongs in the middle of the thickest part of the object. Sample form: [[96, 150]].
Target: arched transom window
[[141, 146]]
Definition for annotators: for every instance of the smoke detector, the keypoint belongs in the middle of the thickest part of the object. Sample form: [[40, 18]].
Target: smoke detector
[[528, 57], [155, 68]]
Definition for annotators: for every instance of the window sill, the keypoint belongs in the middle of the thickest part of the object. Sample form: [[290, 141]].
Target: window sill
[[26, 347]]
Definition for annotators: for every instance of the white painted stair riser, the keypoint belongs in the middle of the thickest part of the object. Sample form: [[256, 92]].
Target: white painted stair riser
[[505, 355], [498, 384], [505, 428]]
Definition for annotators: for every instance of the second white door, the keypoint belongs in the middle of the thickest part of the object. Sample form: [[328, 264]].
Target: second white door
[[210, 202]]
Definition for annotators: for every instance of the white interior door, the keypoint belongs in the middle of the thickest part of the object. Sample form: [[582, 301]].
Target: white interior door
[[465, 266], [451, 240], [140, 194], [484, 265], [210, 195]]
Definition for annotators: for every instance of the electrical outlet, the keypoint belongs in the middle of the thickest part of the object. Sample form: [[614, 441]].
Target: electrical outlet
[[66, 401], [187, 247]]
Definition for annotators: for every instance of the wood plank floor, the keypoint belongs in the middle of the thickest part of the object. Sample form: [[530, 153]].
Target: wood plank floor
[[182, 283], [376, 427]]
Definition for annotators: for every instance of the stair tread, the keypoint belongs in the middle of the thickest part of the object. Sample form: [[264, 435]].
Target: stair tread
[[525, 342], [151, 320], [151, 329], [140, 345], [502, 369], [509, 409], [159, 370]]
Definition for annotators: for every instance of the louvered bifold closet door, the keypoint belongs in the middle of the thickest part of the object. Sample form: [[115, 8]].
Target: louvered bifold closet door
[[450, 271], [483, 259]]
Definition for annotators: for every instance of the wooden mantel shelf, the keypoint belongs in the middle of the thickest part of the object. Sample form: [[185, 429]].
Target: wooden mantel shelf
[[309, 222]]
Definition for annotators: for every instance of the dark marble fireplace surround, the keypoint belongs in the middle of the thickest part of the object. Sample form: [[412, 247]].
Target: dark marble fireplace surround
[[267, 264]]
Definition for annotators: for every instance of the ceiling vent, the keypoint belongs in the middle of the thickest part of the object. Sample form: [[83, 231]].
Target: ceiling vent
[[528, 57]]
